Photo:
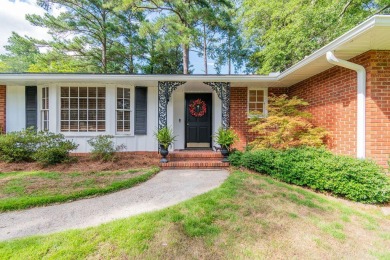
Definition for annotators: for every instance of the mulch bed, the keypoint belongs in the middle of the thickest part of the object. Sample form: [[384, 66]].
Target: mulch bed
[[123, 161]]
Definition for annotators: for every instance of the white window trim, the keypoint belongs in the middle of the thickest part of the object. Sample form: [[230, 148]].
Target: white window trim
[[81, 133], [132, 108], [265, 102], [43, 110]]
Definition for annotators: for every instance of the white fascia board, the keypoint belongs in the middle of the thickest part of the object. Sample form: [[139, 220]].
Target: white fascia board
[[40, 78], [377, 20]]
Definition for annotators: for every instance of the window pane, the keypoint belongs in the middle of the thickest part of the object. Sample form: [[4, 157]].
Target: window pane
[[91, 92], [92, 115], [126, 126], [91, 125], [101, 104], [83, 92], [126, 93], [91, 103], [83, 103], [126, 104], [74, 103], [127, 115], [119, 115], [64, 103], [119, 125], [83, 114], [119, 93], [64, 115], [64, 92], [252, 93], [74, 115], [252, 99], [101, 92], [74, 92], [101, 126], [83, 126], [74, 125], [64, 126], [119, 103], [101, 114], [252, 106]]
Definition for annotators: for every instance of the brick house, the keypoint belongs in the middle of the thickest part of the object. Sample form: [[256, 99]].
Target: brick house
[[347, 84]]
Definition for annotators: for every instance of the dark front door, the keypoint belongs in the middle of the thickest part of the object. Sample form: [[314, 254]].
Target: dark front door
[[198, 120]]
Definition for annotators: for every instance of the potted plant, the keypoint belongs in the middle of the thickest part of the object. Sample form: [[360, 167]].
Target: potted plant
[[225, 138], [165, 138]]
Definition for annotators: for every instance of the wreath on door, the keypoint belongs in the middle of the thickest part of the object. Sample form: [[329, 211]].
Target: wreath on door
[[198, 108]]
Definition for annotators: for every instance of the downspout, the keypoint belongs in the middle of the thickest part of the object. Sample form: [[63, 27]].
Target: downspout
[[361, 101]]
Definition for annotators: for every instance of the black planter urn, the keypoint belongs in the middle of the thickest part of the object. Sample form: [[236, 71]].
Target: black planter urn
[[164, 152], [225, 153]]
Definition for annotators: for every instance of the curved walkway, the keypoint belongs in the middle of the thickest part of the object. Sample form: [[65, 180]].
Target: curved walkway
[[165, 189]]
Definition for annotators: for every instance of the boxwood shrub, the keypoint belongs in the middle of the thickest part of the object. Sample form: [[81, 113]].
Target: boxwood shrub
[[355, 179], [30, 145]]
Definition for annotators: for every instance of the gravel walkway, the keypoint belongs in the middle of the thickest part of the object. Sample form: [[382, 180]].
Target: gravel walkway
[[167, 188]]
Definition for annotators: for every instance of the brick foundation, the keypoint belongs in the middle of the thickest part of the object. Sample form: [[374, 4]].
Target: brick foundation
[[2, 109]]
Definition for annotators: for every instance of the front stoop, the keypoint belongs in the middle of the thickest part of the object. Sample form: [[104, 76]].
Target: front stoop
[[194, 159]]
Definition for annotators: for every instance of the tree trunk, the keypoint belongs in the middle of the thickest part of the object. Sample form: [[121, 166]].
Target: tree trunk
[[186, 58], [104, 44], [205, 49], [229, 56]]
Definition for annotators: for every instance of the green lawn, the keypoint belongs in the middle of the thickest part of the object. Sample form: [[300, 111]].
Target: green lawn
[[249, 216], [19, 190]]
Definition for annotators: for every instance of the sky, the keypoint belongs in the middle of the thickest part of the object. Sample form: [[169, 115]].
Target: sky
[[12, 18]]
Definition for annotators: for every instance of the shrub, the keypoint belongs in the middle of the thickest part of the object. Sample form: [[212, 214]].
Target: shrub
[[53, 148], [235, 158], [29, 145], [18, 146], [285, 125], [103, 147], [356, 179]]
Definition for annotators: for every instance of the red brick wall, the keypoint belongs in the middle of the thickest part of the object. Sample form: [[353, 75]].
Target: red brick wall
[[332, 97], [2, 108], [378, 106], [239, 116]]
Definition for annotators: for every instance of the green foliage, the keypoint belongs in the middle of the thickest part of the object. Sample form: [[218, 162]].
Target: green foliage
[[165, 137], [235, 158], [103, 147], [53, 148], [225, 137], [22, 52], [286, 31], [29, 145], [285, 126], [356, 179], [18, 146]]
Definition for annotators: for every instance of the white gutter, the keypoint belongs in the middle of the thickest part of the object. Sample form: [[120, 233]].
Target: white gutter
[[361, 101]]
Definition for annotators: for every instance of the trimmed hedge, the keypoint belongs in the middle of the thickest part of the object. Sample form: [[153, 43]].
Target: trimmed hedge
[[355, 179]]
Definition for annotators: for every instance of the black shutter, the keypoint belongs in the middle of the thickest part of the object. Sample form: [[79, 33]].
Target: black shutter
[[31, 106], [140, 116]]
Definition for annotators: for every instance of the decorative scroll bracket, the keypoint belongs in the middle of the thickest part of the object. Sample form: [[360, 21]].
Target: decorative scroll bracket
[[223, 92], [165, 89]]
